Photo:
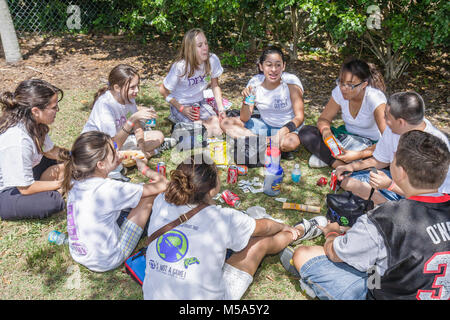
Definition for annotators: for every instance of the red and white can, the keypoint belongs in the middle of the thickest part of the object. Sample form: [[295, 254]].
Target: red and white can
[[196, 108], [161, 168], [322, 181], [232, 174], [231, 198], [333, 181]]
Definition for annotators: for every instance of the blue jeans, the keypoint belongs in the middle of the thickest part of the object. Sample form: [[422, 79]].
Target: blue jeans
[[334, 281], [260, 128], [364, 176]]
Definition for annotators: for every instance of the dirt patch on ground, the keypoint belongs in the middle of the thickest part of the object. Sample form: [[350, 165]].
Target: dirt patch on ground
[[83, 61]]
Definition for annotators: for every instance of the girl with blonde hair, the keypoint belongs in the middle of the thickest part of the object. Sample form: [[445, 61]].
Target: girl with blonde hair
[[194, 69]]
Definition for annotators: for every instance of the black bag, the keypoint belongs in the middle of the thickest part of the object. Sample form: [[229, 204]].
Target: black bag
[[250, 151], [345, 208], [237, 113]]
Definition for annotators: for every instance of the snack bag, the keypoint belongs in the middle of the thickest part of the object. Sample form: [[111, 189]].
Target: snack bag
[[218, 152]]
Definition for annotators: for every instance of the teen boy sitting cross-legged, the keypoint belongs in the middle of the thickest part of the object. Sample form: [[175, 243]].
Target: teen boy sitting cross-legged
[[405, 242]]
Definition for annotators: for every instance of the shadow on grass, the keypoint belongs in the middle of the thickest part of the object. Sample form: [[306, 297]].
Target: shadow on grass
[[54, 266]]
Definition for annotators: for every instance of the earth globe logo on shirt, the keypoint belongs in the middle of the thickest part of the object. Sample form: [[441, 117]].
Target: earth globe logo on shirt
[[172, 246]]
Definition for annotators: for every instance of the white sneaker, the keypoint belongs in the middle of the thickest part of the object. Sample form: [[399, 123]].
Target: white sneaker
[[311, 230], [315, 162], [286, 261], [168, 143]]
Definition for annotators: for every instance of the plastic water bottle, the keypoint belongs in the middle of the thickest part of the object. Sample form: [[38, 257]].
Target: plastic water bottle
[[58, 238], [296, 173], [272, 180], [149, 124]]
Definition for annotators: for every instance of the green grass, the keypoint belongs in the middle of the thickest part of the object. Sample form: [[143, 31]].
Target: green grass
[[31, 268]]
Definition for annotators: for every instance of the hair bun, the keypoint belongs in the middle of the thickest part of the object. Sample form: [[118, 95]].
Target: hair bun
[[183, 181]]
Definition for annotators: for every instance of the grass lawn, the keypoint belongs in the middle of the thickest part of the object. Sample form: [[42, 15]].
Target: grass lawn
[[31, 268]]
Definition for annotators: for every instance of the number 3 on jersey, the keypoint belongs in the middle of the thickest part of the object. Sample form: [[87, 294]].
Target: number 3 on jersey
[[438, 263]]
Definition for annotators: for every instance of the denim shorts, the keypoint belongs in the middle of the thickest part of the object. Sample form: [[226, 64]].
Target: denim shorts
[[364, 176], [260, 128], [334, 281]]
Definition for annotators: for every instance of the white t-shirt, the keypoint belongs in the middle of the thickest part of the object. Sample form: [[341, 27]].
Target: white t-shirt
[[388, 144], [186, 263], [364, 125], [189, 90], [18, 156], [274, 105], [93, 206], [108, 115], [286, 77]]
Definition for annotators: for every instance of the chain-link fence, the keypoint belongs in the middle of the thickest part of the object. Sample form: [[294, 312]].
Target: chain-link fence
[[46, 16]]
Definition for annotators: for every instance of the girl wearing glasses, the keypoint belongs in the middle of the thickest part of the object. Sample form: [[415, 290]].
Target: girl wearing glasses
[[359, 95], [30, 175]]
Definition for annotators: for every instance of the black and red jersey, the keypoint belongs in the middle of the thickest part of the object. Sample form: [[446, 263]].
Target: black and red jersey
[[416, 232]]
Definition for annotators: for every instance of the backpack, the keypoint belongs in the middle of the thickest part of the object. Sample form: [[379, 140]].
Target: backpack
[[345, 208]]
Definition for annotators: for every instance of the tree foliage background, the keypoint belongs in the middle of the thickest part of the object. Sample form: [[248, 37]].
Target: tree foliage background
[[394, 33]]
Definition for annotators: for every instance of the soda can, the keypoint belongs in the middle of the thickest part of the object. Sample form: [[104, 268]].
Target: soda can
[[242, 170], [161, 168], [196, 108], [322, 181], [232, 174], [231, 198], [333, 181]]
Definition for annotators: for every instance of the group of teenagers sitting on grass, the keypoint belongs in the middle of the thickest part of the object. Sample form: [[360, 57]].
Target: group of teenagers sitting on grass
[[215, 254]]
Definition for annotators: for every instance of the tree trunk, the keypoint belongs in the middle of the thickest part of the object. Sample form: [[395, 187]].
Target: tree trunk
[[393, 62], [295, 33], [8, 35]]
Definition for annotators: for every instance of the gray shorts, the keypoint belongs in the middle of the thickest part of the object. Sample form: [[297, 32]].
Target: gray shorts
[[206, 112]]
